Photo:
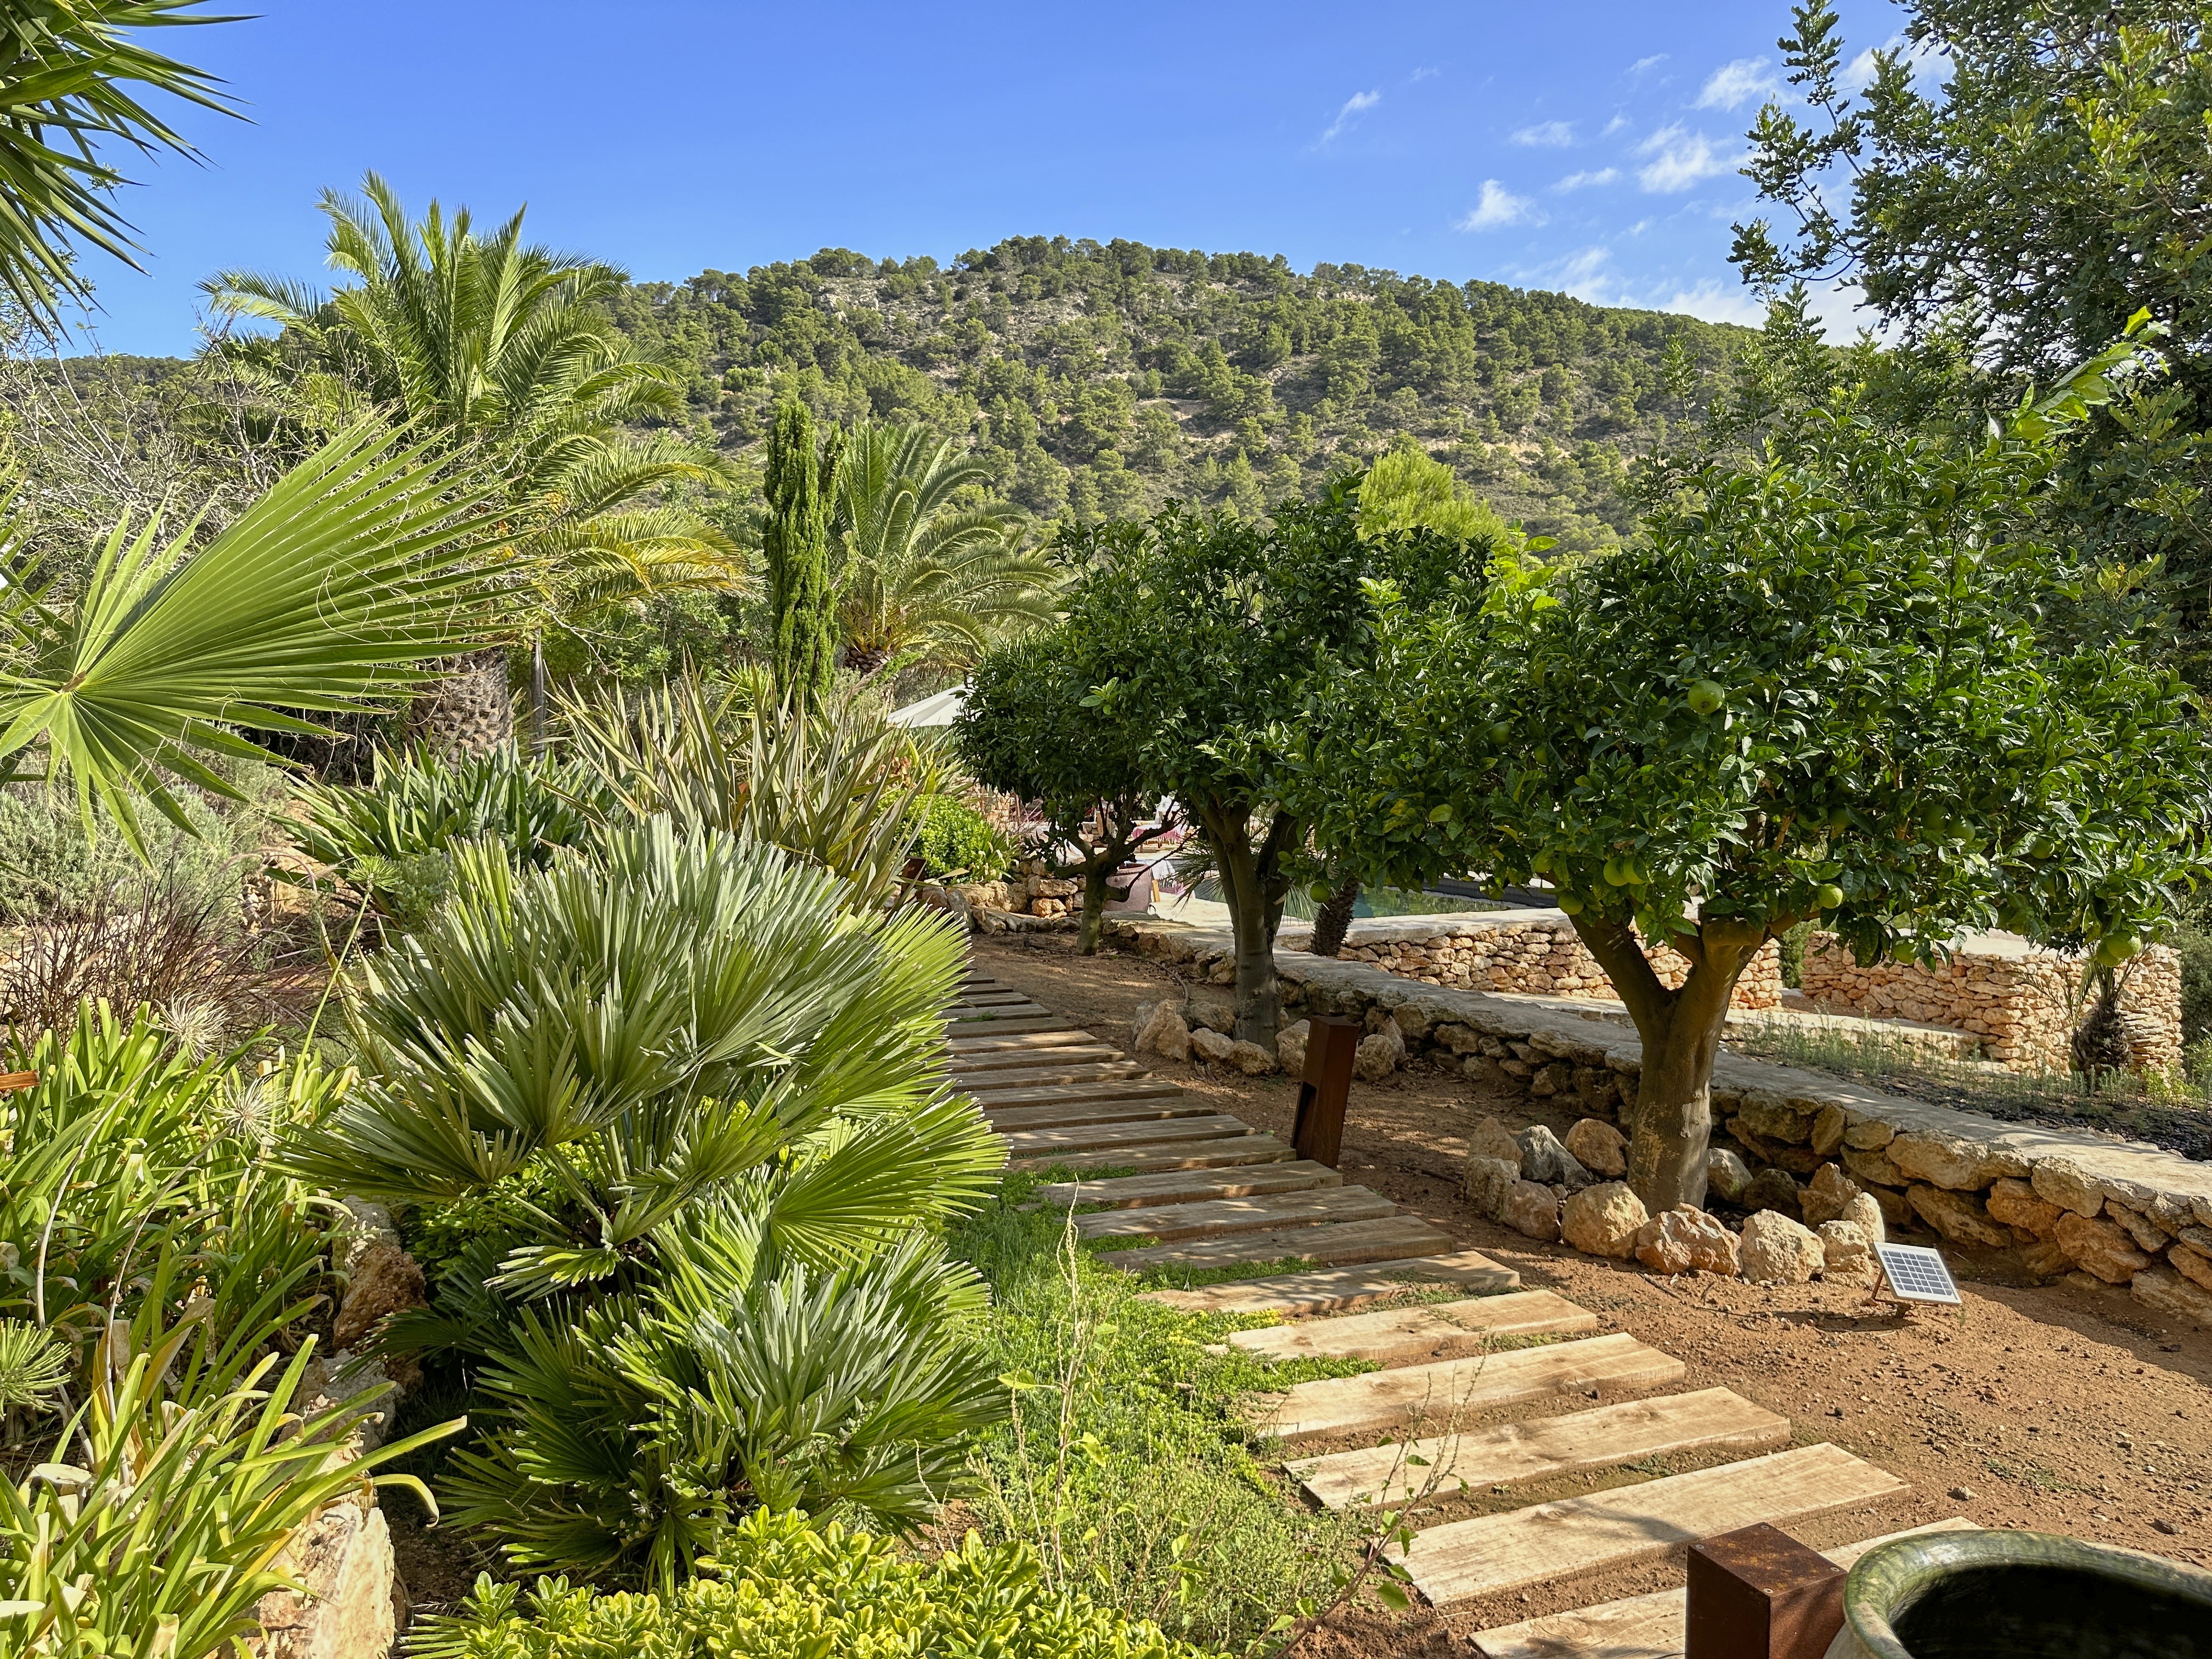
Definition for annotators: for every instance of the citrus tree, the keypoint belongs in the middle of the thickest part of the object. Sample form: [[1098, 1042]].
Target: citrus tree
[[1815, 688]]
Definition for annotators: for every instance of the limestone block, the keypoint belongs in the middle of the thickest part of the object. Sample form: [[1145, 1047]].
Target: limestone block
[[342, 1561], [2014, 1203], [1776, 1250], [2060, 1181], [2045, 1259], [1379, 1054], [1599, 1147], [1772, 1120], [1873, 1166], [1211, 1046], [1957, 1217], [1488, 1179], [1554, 1078], [2137, 1226], [1163, 1030], [1894, 1210], [2191, 1263], [1487, 1073], [1951, 1161], [384, 1280], [1532, 1210], [1490, 1137], [1827, 1196], [1772, 1189], [1251, 1059], [1871, 1136], [1596, 1088], [1728, 1177], [1865, 1214], [2163, 1290], [1604, 1219], [1544, 1160], [1828, 1130], [2099, 1248], [1846, 1252], [1686, 1239], [1290, 1047]]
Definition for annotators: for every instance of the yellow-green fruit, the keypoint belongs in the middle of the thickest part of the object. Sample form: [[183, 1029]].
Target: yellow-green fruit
[[1619, 873], [1706, 696], [2116, 948], [1541, 864], [1500, 733], [1318, 892], [1830, 895], [1570, 904]]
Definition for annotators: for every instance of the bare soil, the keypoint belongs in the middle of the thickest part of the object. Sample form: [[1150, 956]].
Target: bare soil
[[2056, 1409]]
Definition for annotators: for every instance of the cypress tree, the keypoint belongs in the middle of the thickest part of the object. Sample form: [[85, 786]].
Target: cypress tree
[[797, 544]]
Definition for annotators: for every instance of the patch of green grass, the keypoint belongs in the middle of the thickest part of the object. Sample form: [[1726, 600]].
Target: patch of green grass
[[1652, 1465], [1195, 1279], [2032, 1474]]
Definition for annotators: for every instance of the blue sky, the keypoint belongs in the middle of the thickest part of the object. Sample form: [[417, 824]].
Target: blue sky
[[1584, 147]]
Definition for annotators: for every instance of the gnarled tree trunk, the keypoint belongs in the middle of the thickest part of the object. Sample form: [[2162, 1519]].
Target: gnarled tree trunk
[[1253, 885], [468, 709], [1670, 1131], [1334, 919]]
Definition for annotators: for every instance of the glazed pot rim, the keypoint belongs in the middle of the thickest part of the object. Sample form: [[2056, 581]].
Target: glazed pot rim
[[1887, 1580]]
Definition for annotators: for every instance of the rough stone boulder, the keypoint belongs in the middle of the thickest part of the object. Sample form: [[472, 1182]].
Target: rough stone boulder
[[1290, 1047], [1684, 1239], [1952, 1162], [1599, 1147], [2149, 1235], [2060, 1181], [1604, 1220], [1211, 1046], [2045, 1259], [384, 1280], [2099, 1248], [1827, 1196], [1846, 1252], [344, 1609], [2192, 1263], [2014, 1203], [1490, 1137], [1162, 1029], [1488, 1180], [1863, 1213], [1544, 1160], [1728, 1177], [1957, 1217], [1380, 1054], [1771, 1120], [1873, 1167], [1828, 1130], [1772, 1189], [1776, 1250], [2166, 1292], [1251, 1059], [1532, 1210]]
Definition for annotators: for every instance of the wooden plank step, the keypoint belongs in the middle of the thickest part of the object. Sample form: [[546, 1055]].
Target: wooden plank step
[[1016, 1059], [1230, 1151], [1298, 1296], [1076, 1094], [970, 1030], [1412, 1336], [1100, 1137], [1332, 1244], [1019, 1017], [1547, 1542], [1428, 1396], [1216, 1217], [1516, 1453], [1642, 1626], [980, 1079], [981, 1040], [1076, 1114], [1188, 1185]]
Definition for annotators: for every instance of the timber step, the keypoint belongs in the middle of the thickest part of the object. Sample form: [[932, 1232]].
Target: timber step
[[1007, 1014], [1430, 1396], [982, 1080], [1642, 1626], [1078, 1114], [1048, 1094], [1412, 1336], [1515, 1454], [1187, 1186], [1223, 1218], [960, 1046], [1490, 1554], [1101, 1137], [1025, 1025], [992, 1062], [1330, 1244], [1230, 1151], [1298, 1296]]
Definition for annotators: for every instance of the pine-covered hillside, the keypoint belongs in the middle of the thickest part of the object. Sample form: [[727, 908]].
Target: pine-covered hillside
[[1105, 379]]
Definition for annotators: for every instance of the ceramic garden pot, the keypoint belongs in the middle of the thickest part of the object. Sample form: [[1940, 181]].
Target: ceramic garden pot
[[2021, 1595]]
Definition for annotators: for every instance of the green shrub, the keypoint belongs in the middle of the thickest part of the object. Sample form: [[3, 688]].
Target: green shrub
[[1792, 945], [955, 839], [48, 864], [789, 1591]]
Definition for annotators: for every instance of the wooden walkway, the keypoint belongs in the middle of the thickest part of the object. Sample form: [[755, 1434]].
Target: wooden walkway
[[1210, 1191]]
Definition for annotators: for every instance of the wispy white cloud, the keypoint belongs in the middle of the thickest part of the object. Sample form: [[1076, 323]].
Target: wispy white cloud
[[1500, 207], [1738, 82], [1926, 60], [1423, 73], [1616, 124], [1678, 159], [1650, 63], [1584, 180], [1354, 106], [1716, 304], [1550, 135]]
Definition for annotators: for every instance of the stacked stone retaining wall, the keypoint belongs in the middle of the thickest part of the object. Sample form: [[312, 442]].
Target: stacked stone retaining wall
[[2123, 1213], [2019, 999]]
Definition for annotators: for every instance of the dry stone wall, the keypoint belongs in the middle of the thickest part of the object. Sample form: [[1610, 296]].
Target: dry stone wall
[[1807, 1145], [2016, 998], [1525, 952]]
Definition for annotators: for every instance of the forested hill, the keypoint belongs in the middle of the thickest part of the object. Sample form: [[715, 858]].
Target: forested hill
[[1105, 379]]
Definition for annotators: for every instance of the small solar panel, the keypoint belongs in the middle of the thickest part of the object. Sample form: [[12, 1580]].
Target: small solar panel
[[1915, 1274]]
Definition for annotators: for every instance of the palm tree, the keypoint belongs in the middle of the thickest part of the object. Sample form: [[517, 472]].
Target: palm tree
[[64, 65], [503, 349], [924, 579]]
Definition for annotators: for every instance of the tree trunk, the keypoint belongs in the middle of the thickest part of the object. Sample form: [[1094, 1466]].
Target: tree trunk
[[1334, 919], [539, 700], [1094, 906], [467, 710], [1670, 1131], [1253, 884]]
